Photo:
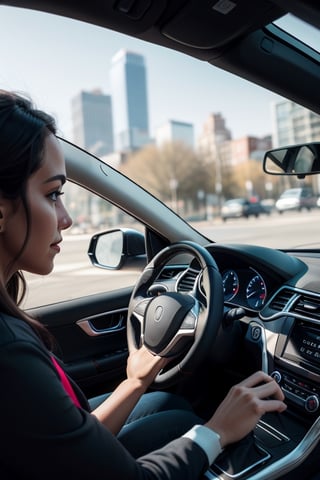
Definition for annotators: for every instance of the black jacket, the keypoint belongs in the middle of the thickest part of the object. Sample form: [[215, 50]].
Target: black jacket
[[44, 435]]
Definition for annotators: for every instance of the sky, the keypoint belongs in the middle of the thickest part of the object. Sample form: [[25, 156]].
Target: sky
[[52, 59]]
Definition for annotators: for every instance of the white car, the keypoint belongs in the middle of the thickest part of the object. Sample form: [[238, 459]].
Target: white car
[[296, 199]]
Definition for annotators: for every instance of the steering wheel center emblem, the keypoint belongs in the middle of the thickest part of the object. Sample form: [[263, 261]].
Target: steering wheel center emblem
[[158, 313]]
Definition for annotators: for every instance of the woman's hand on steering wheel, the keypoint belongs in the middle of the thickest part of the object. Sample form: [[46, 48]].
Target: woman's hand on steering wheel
[[144, 366]]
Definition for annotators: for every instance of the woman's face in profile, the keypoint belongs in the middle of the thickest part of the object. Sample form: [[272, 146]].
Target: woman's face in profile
[[48, 216]]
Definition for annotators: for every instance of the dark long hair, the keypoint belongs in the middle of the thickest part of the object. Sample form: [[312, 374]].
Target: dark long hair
[[23, 130]]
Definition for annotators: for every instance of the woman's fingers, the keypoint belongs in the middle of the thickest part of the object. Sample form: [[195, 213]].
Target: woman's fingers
[[269, 387], [274, 406], [255, 379], [244, 405], [144, 366]]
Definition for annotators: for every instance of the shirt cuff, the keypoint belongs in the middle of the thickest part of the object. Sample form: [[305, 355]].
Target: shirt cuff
[[207, 439]]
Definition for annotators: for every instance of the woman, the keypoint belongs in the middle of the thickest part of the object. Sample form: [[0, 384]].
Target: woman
[[47, 427]]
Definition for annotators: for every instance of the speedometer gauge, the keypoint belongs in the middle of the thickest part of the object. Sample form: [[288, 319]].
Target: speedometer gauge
[[230, 282], [256, 292]]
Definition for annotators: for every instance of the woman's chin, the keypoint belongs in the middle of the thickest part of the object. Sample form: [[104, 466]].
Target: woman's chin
[[43, 270]]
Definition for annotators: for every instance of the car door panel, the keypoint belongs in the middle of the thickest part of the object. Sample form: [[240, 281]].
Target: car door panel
[[90, 335]]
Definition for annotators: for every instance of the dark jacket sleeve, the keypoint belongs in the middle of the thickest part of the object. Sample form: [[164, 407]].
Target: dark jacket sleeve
[[44, 435]]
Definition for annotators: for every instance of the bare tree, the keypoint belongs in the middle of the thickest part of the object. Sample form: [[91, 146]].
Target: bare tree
[[172, 170]]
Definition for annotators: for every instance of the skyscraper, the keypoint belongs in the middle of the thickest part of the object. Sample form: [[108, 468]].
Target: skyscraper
[[130, 103], [92, 122]]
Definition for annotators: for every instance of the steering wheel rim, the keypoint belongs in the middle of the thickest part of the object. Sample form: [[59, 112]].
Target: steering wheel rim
[[196, 318]]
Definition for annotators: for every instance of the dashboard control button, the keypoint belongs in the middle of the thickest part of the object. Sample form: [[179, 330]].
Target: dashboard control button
[[312, 403], [276, 376]]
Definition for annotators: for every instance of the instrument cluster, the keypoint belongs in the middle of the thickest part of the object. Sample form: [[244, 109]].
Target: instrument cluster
[[244, 287]]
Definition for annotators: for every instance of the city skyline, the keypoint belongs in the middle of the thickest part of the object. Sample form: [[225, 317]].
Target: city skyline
[[173, 81], [85, 125]]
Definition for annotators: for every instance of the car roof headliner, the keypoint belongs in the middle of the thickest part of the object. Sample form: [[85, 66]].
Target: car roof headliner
[[235, 41]]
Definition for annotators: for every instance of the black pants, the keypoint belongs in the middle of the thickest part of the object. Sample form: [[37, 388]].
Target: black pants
[[158, 418]]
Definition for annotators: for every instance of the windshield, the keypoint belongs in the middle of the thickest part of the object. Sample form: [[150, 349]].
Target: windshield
[[199, 134]]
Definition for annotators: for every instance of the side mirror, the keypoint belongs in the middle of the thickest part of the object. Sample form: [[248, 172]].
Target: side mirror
[[117, 249], [298, 160]]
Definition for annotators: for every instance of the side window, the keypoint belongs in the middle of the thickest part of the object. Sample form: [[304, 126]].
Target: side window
[[73, 275]]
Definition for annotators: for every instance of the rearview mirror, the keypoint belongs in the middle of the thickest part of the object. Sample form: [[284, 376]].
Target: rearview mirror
[[298, 160]]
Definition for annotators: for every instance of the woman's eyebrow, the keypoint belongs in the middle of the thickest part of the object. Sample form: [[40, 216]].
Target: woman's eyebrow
[[62, 179]]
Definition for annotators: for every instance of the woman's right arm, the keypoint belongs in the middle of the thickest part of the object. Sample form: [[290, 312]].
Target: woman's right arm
[[244, 405]]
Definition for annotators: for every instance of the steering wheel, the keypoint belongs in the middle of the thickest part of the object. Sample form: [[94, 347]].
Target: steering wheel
[[183, 325]]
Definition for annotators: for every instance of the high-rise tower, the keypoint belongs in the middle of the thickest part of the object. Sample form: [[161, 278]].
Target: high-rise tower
[[92, 122], [130, 102]]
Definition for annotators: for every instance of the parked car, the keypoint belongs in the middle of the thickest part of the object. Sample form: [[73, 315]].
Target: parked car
[[296, 199], [260, 309], [242, 207]]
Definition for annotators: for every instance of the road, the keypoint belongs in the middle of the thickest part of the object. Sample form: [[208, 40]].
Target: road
[[74, 275], [289, 230]]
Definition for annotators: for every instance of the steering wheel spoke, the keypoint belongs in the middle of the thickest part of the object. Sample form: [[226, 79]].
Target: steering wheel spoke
[[139, 308]]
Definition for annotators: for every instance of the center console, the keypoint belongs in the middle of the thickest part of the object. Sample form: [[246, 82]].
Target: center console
[[297, 361], [282, 442]]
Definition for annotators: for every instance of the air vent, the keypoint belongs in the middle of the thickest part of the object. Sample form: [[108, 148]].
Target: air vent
[[279, 302], [307, 306], [187, 281], [169, 272]]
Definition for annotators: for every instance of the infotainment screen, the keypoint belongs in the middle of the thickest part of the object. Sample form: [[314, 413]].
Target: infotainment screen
[[303, 345]]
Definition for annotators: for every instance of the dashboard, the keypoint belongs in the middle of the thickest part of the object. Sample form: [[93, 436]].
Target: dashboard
[[245, 287], [277, 296], [250, 274]]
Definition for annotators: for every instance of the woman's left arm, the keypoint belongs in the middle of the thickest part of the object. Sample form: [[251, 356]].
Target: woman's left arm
[[142, 368]]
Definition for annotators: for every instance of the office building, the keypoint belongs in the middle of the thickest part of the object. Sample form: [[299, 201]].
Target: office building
[[92, 122], [174, 131], [130, 101], [214, 132], [293, 123], [248, 147], [215, 143]]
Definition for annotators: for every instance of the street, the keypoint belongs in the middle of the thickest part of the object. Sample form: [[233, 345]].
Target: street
[[288, 230], [74, 276]]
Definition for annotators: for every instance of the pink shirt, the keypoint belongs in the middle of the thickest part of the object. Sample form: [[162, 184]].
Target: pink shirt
[[65, 382]]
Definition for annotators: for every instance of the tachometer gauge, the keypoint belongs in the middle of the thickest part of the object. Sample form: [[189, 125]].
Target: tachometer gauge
[[256, 292], [230, 282]]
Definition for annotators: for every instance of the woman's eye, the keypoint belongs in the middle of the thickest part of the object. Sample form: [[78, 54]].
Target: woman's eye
[[55, 195]]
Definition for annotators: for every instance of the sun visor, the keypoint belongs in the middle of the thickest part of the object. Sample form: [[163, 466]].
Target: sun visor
[[221, 21]]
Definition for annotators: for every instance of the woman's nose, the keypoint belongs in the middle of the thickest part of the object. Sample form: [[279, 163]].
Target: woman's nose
[[65, 221]]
